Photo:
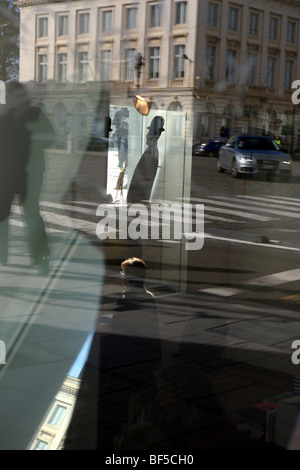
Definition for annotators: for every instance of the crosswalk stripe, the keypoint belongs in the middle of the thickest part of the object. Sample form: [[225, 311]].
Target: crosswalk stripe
[[276, 279], [254, 208], [69, 207], [262, 202], [63, 220], [273, 199], [244, 215], [271, 280]]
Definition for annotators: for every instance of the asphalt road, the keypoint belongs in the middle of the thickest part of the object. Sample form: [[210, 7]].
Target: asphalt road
[[252, 229]]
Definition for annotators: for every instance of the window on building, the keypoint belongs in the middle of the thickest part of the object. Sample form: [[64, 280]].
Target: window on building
[[254, 24], [43, 27], [41, 445], [291, 32], [210, 62], [57, 416], [63, 25], [271, 72], [83, 26], [233, 19], [179, 61], [288, 74], [181, 11], [273, 28], [82, 66], [107, 20], [131, 18], [154, 59], [81, 119], [207, 121], [155, 15], [252, 68], [42, 67], [230, 72], [129, 64], [62, 62], [105, 64], [62, 122], [212, 17]]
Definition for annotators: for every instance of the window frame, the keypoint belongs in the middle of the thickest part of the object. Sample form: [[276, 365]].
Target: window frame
[[273, 33], [129, 72], [254, 29], [82, 25], [128, 11], [271, 79], [83, 59], [107, 26], [42, 67], [288, 71], [212, 14], [231, 66], [105, 65], [179, 61], [293, 32], [181, 7], [154, 62], [155, 15], [41, 22], [233, 19], [57, 420], [61, 27], [210, 68], [62, 66]]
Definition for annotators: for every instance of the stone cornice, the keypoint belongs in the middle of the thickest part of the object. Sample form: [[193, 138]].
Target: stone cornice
[[29, 3]]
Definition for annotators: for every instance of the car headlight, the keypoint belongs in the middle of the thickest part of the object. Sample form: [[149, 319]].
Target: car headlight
[[286, 162], [246, 159]]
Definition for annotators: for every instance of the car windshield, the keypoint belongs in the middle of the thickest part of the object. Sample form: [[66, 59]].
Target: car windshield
[[255, 143]]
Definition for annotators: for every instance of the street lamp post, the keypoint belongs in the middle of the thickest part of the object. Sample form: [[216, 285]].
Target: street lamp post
[[139, 63]]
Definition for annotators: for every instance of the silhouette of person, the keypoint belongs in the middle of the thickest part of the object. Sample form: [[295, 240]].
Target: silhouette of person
[[24, 134], [144, 174], [125, 354]]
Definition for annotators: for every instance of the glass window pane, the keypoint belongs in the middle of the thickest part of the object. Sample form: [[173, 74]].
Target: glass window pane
[[58, 415]]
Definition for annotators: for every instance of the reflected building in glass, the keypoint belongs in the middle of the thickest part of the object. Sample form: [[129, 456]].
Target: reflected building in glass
[[230, 65]]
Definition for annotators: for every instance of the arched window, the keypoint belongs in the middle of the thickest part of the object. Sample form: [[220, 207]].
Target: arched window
[[80, 119], [228, 115], [61, 119], [175, 118], [207, 121]]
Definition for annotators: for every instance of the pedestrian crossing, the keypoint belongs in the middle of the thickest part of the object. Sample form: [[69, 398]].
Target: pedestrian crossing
[[220, 210]]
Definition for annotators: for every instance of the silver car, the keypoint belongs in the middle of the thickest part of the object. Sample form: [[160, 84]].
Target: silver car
[[251, 154]]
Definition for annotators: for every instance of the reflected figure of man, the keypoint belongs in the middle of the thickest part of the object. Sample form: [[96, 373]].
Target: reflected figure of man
[[145, 172], [24, 134]]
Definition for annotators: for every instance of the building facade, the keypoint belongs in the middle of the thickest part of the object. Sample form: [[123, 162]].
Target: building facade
[[52, 432], [230, 64]]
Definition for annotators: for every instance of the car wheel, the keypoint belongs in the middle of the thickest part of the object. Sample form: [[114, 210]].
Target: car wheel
[[234, 170], [219, 166]]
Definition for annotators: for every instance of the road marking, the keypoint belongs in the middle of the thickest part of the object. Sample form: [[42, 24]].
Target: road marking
[[271, 280], [272, 200], [276, 279], [259, 202], [222, 291], [254, 208], [244, 215], [245, 242]]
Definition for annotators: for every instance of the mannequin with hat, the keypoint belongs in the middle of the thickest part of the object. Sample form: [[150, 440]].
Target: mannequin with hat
[[144, 174]]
